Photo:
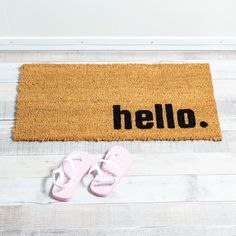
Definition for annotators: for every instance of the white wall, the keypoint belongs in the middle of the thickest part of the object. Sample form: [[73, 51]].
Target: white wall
[[117, 24], [123, 18]]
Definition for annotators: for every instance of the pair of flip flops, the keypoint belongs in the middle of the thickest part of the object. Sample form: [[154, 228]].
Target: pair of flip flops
[[77, 165]]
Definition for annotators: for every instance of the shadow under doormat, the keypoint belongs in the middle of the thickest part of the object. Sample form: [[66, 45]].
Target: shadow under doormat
[[116, 102]]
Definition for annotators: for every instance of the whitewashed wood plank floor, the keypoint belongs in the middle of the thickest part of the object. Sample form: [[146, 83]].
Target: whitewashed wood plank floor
[[173, 188]]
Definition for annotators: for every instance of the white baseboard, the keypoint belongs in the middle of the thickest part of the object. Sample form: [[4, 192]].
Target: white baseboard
[[118, 43]]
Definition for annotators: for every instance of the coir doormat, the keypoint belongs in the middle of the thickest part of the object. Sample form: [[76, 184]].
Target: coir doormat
[[116, 102]]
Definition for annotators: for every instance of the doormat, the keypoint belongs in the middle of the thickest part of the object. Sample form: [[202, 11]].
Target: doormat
[[116, 102]]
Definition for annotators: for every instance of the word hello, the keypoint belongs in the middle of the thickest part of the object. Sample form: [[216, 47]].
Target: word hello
[[144, 119]]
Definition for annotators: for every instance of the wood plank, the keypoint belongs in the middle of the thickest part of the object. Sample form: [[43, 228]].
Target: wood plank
[[134, 231], [62, 216], [146, 164], [8, 91], [9, 72], [86, 56], [10, 148], [131, 189], [7, 110], [220, 69]]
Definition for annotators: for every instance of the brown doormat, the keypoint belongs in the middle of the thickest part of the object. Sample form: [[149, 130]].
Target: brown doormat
[[116, 102]]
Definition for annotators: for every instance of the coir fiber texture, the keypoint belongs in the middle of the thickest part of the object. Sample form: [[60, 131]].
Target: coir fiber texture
[[116, 102]]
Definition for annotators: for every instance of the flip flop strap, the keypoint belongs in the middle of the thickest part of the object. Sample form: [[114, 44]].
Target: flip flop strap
[[106, 180], [59, 173]]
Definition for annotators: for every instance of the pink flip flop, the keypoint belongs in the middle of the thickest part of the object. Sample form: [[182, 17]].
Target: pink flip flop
[[110, 170], [67, 177]]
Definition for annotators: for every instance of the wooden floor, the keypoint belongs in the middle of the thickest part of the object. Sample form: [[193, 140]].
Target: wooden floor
[[173, 188]]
